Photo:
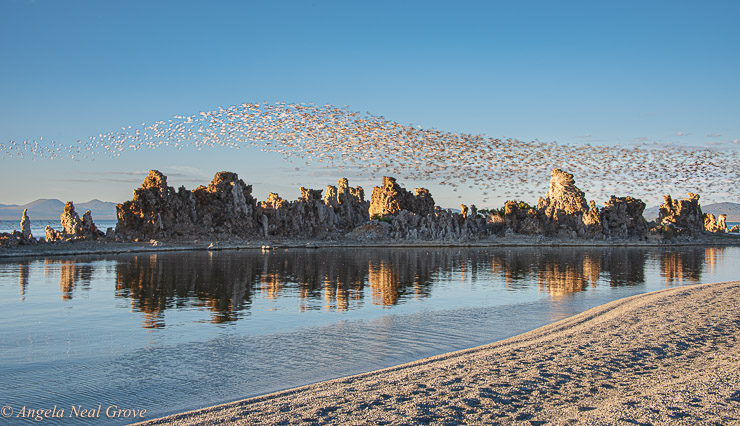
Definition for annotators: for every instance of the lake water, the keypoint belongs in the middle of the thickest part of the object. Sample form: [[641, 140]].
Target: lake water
[[38, 226], [169, 332]]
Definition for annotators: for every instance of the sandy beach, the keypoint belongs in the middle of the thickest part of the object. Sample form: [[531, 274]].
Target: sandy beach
[[664, 357]]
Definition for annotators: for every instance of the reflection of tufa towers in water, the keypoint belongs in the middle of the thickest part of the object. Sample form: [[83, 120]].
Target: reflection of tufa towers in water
[[389, 281], [677, 267], [561, 271], [560, 279], [24, 272], [226, 285]]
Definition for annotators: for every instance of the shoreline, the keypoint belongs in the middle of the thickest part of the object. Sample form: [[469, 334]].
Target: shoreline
[[95, 247], [665, 356]]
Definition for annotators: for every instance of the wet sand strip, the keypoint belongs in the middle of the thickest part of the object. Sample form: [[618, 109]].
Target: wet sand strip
[[670, 356]]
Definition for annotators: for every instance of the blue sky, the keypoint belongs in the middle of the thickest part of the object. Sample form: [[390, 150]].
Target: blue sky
[[614, 73]]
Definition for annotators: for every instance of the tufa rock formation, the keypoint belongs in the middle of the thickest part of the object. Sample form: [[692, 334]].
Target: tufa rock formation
[[415, 217], [73, 228], [307, 216], [566, 213], [15, 238], [735, 229], [520, 218], [156, 210], [564, 207], [10, 239], [495, 223], [712, 224], [26, 236], [621, 217], [224, 207], [391, 198], [439, 225], [684, 216], [375, 230], [340, 210], [349, 203]]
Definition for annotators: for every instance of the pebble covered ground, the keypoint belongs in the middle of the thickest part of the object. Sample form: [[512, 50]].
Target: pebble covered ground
[[667, 357]]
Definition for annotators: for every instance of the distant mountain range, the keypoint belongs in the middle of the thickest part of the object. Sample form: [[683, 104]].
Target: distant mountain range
[[50, 209], [732, 210]]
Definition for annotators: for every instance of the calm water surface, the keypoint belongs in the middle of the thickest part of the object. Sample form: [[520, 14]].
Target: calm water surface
[[178, 331], [38, 226]]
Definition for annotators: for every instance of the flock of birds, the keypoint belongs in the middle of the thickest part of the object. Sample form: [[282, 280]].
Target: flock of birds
[[340, 138]]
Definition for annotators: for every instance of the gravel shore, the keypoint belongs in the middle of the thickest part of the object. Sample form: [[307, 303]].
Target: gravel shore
[[670, 356], [117, 247]]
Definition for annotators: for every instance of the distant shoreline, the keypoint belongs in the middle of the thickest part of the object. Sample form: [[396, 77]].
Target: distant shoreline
[[226, 211], [658, 357], [100, 247]]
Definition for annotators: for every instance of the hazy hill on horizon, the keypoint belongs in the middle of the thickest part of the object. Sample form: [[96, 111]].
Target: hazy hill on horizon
[[51, 209]]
